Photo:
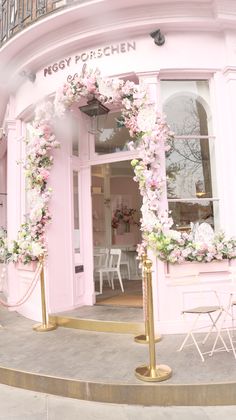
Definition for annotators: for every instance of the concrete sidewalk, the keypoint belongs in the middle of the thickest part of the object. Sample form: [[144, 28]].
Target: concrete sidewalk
[[18, 404], [104, 357], [101, 367]]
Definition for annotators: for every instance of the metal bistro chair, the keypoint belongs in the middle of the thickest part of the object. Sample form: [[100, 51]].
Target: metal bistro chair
[[225, 324], [233, 303], [203, 303]]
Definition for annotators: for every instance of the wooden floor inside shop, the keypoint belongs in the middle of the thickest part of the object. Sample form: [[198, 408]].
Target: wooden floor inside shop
[[132, 296]]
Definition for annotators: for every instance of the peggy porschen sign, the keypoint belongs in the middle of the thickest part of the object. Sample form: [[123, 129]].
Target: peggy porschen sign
[[85, 56]]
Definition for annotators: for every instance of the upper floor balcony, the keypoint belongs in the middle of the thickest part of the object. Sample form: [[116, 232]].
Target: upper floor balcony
[[16, 15]]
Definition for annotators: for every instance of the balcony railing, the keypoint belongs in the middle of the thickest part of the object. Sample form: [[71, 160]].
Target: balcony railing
[[15, 15]]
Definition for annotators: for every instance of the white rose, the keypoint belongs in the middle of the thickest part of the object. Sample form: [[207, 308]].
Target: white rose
[[36, 249]]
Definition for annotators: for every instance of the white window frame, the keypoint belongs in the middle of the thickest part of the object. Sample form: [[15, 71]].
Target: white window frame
[[192, 77]]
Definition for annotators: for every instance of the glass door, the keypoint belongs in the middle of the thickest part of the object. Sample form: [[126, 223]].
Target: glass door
[[116, 204]]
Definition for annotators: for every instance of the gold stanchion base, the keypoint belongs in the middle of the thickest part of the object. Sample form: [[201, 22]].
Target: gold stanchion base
[[44, 327], [160, 373], [144, 339]]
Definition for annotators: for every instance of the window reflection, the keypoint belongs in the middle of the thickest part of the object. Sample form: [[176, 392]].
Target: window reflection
[[186, 116], [188, 168], [185, 103], [112, 139], [183, 213]]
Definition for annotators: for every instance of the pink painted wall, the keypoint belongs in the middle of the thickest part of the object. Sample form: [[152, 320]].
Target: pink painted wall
[[3, 182]]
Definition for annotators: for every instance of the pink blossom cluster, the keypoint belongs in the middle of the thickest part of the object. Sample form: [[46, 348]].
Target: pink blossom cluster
[[83, 85], [176, 247]]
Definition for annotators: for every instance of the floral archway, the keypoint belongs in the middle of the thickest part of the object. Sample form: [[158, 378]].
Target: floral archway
[[150, 135]]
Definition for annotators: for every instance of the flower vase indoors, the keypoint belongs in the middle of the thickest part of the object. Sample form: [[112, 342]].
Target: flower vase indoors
[[124, 216]]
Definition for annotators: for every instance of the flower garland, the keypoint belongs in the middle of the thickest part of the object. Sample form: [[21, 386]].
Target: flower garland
[[30, 244], [150, 135]]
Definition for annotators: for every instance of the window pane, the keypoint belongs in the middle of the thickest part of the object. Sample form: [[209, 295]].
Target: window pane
[[185, 104], [99, 174], [75, 137], [190, 161], [112, 139], [183, 213], [76, 211], [188, 168]]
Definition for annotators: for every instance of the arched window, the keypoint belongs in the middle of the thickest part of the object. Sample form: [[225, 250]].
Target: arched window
[[190, 169]]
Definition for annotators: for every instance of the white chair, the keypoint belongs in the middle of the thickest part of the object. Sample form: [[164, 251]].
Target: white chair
[[233, 290], [101, 259], [126, 263], [113, 268], [225, 323], [203, 303]]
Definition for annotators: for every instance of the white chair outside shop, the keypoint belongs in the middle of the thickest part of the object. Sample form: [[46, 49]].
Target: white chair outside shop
[[225, 324], [203, 304], [233, 303]]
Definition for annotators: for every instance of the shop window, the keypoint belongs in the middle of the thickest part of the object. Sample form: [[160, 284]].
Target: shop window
[[190, 163], [111, 138], [76, 211]]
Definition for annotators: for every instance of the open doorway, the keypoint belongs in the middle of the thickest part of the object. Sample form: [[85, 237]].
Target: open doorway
[[116, 203]]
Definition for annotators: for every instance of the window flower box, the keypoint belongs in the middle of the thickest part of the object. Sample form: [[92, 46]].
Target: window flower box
[[195, 268]]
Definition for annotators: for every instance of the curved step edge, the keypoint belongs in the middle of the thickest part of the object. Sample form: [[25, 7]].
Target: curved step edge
[[158, 394]]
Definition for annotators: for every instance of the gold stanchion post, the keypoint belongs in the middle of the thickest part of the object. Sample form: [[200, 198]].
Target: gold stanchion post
[[46, 325], [151, 372], [144, 338]]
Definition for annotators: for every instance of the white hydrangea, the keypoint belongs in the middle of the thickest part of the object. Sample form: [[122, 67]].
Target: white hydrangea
[[37, 249], [174, 234], [146, 118]]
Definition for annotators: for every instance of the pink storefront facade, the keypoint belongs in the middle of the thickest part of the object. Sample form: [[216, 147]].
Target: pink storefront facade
[[197, 61]]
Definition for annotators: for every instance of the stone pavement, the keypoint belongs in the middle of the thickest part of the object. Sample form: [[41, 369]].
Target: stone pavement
[[110, 359], [18, 404], [94, 356]]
